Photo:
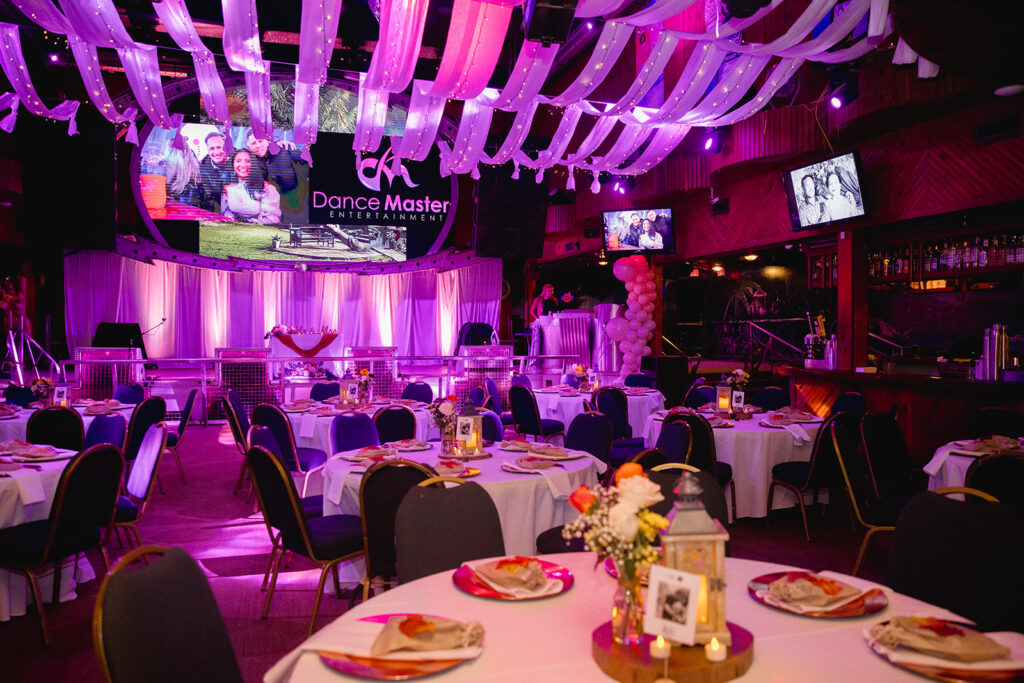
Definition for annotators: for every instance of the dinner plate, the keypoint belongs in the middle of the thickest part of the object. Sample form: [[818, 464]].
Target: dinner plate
[[513, 450], [558, 458], [48, 458], [946, 670], [870, 602], [724, 425], [378, 669], [465, 580], [465, 474], [7, 417]]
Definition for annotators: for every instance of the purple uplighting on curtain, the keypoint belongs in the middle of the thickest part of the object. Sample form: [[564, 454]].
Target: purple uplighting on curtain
[[419, 311], [13, 62]]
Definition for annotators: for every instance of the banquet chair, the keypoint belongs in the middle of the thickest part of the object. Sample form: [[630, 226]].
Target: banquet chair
[[312, 506], [522, 380], [493, 430], [571, 379], [770, 398], [437, 529], [19, 396], [704, 455], [131, 507], [418, 391], [674, 439], [477, 395], [301, 461], [380, 492], [56, 426], [496, 403], [699, 394], [614, 404], [146, 414], [1001, 475], [238, 422], [893, 471], [820, 472], [395, 423], [175, 436], [321, 391], [638, 379], [527, 417], [666, 476], [352, 430], [133, 394], [81, 518], [995, 421], [591, 432], [964, 556], [326, 541], [140, 632], [650, 458], [849, 402], [875, 513], [110, 428]]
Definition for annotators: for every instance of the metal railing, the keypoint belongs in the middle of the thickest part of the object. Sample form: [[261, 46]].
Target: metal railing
[[892, 348]]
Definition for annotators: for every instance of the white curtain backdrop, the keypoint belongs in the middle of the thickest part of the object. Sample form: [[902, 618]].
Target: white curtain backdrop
[[420, 312]]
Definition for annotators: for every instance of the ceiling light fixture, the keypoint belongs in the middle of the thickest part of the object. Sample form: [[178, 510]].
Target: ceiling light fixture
[[842, 85], [717, 268], [750, 257], [713, 141]]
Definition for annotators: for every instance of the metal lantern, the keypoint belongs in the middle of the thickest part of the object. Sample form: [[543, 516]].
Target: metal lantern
[[724, 394], [695, 543], [472, 443]]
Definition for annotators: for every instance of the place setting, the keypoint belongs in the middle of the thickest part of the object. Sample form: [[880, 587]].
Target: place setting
[[513, 578], [817, 595]]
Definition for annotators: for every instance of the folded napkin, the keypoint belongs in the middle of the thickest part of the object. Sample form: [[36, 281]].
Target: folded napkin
[[534, 462], [307, 426], [27, 450], [517, 577], [516, 445], [549, 452], [708, 408], [8, 411], [409, 445], [955, 644], [804, 592], [449, 468], [425, 634], [372, 451], [98, 409], [336, 488], [990, 444], [791, 413], [30, 485], [800, 435], [356, 638], [301, 404], [558, 484], [716, 421]]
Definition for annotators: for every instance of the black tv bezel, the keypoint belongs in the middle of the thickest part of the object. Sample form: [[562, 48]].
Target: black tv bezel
[[794, 212]]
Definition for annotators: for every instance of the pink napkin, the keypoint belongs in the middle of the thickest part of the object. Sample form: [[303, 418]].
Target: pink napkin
[[30, 485]]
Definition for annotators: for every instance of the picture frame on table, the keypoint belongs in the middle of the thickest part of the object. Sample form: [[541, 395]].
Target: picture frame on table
[[353, 389], [60, 396], [738, 399], [463, 429], [672, 604]]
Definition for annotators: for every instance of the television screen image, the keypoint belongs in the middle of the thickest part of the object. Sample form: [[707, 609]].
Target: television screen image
[[824, 192], [647, 230]]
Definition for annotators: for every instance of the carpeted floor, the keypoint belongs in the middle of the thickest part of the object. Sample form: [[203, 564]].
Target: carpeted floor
[[222, 531]]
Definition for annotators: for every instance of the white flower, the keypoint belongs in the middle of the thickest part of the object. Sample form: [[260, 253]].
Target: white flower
[[446, 408], [640, 492], [622, 520]]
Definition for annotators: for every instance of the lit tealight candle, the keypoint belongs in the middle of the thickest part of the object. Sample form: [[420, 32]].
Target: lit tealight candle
[[715, 651], [660, 649]]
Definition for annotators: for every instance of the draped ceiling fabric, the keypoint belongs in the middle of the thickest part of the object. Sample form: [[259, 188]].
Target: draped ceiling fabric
[[420, 311]]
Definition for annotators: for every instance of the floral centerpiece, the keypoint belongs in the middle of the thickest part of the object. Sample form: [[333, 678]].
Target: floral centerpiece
[[443, 411], [738, 379], [278, 330], [42, 389], [615, 523], [364, 381], [582, 373]]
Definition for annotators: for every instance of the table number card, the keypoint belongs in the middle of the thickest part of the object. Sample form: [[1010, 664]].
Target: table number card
[[672, 603], [60, 396]]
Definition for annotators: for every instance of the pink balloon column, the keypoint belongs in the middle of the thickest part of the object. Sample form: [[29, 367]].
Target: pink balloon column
[[638, 326]]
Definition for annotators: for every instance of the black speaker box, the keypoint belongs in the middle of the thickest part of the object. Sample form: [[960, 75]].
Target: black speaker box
[[509, 215], [549, 21]]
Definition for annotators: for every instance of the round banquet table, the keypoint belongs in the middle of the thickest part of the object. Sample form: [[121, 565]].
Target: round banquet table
[[17, 427], [753, 450], [550, 639], [314, 431], [554, 406], [14, 589], [528, 504]]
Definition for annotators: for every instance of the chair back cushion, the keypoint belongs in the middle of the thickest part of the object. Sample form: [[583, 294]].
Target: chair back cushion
[[383, 487], [477, 396], [437, 529], [145, 415], [324, 390], [130, 393], [86, 498], [524, 409], [850, 402], [492, 390], [20, 396], [650, 458], [712, 495], [703, 454], [674, 440], [571, 379], [186, 414], [522, 380], [1002, 475], [418, 391], [493, 430], [637, 379], [140, 479], [699, 394], [888, 453], [278, 499], [846, 443], [824, 468], [243, 415], [395, 423], [591, 432], [612, 402], [143, 634], [274, 418], [106, 429], [770, 398], [234, 423], [57, 426], [352, 430]]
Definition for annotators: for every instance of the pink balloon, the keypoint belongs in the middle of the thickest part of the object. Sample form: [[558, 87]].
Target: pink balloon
[[617, 328], [640, 262], [649, 308], [624, 269], [650, 324], [649, 286]]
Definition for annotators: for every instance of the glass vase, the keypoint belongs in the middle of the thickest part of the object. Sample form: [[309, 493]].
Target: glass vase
[[449, 446], [627, 609]]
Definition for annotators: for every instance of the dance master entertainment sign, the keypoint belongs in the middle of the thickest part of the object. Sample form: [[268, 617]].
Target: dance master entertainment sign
[[373, 189]]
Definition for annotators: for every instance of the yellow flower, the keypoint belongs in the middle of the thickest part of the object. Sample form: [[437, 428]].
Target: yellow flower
[[364, 371]]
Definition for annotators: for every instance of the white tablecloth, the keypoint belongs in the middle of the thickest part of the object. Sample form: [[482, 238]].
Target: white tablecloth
[[320, 435], [947, 469], [553, 406], [525, 502], [752, 450], [550, 639], [15, 594]]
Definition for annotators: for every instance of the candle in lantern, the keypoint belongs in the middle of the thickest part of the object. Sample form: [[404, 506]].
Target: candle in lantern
[[660, 649], [473, 442], [715, 651]]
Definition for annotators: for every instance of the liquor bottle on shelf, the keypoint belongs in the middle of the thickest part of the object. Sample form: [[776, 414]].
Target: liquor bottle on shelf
[[945, 256], [982, 260]]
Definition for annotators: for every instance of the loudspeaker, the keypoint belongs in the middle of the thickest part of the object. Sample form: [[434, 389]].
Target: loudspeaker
[[671, 376], [509, 215], [549, 21], [119, 335]]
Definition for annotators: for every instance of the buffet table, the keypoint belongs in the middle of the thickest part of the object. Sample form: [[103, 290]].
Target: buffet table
[[752, 450], [564, 406], [550, 639], [528, 504], [15, 594]]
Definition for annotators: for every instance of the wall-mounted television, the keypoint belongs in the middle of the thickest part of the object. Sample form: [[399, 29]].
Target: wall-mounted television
[[825, 192], [649, 231]]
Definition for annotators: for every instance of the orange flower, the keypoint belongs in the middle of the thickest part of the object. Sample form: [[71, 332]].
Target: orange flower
[[453, 398], [582, 499], [415, 624], [629, 469]]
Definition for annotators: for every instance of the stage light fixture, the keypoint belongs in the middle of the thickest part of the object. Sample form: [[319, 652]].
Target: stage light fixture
[[590, 26], [623, 184], [54, 57], [843, 88], [713, 141]]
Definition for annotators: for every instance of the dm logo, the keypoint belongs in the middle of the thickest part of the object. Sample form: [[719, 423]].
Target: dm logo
[[370, 170]]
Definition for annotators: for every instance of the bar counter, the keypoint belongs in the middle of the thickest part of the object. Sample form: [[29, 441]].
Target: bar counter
[[931, 410]]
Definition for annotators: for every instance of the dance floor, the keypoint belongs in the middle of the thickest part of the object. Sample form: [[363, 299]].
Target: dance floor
[[230, 542]]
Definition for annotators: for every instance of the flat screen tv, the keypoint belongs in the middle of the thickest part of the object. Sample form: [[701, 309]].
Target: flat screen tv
[[643, 230], [825, 192]]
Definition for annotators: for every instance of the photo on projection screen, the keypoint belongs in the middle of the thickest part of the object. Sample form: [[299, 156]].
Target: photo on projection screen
[[824, 192], [262, 200], [646, 230]]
